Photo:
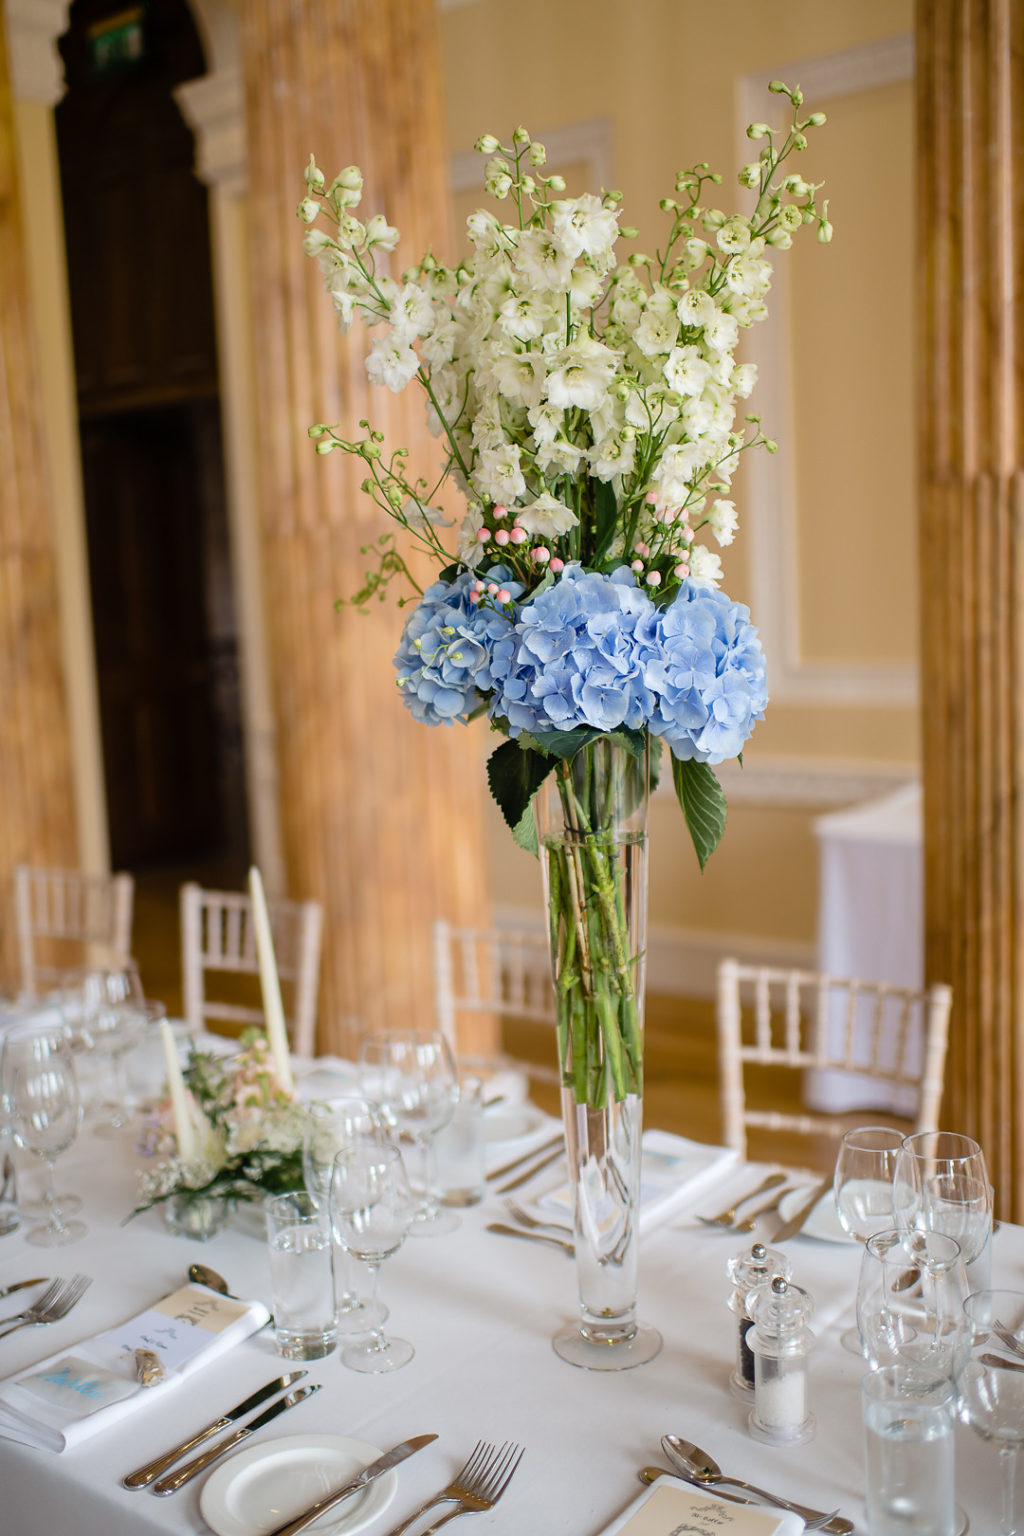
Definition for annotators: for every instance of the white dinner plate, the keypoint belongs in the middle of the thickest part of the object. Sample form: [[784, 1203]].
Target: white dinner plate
[[822, 1223], [274, 1481], [507, 1123]]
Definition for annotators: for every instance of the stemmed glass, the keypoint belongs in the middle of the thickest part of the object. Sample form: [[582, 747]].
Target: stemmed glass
[[412, 1076], [39, 1084], [107, 1009], [990, 1395], [372, 1206], [910, 1302], [332, 1126], [863, 1185], [942, 1185]]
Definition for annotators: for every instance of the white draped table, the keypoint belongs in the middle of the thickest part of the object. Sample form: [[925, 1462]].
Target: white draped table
[[480, 1310]]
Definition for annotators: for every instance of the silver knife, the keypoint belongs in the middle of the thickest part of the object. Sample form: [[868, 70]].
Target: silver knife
[[143, 1476], [175, 1480], [791, 1227], [20, 1285], [531, 1172], [526, 1157], [331, 1500]]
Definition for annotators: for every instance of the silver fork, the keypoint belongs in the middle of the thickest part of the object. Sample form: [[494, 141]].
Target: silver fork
[[728, 1216], [478, 1485], [56, 1302], [519, 1214]]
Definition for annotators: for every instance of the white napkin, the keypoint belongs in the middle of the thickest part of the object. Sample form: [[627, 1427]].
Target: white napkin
[[63, 1400], [672, 1170], [671, 1505]]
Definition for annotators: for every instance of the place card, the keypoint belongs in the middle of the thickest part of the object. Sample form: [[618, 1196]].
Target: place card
[[177, 1327], [672, 1508]]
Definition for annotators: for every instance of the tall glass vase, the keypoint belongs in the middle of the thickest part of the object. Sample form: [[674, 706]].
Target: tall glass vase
[[592, 827]]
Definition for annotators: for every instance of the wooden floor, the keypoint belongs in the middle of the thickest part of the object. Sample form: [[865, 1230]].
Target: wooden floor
[[681, 1066]]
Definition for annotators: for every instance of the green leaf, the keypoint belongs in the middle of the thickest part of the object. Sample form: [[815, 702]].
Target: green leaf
[[655, 762], [606, 514], [565, 744], [524, 833], [450, 571], [634, 742], [515, 774], [703, 803]]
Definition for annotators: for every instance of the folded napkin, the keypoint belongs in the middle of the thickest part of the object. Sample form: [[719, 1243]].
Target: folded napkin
[[670, 1506], [673, 1170], [65, 1399]]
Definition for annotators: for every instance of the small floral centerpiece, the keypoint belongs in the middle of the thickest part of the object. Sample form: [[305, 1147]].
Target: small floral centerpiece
[[246, 1130]]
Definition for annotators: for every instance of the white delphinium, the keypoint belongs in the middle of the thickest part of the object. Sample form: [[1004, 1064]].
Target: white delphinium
[[584, 225], [722, 521], [546, 517], [582, 374], [705, 566]]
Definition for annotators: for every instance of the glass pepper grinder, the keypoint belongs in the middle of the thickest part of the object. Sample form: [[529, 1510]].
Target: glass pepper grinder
[[748, 1270], [781, 1342]]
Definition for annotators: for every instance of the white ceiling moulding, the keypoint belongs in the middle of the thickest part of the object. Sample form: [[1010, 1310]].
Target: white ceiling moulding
[[33, 27], [771, 529], [589, 142], [214, 108]]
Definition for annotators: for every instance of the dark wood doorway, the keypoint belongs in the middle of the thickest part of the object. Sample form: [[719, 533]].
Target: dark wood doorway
[[138, 250]]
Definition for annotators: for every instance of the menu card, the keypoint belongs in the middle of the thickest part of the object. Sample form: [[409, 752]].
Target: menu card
[[674, 1508], [64, 1398]]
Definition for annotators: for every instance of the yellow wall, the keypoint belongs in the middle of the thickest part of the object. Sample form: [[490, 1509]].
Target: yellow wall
[[666, 75]]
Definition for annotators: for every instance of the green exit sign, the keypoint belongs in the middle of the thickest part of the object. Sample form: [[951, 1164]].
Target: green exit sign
[[117, 40]]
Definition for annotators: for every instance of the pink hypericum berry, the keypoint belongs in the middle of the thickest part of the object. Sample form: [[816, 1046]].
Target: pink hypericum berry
[[499, 513], [518, 535], [482, 535], [501, 536], [637, 565], [682, 570], [540, 555], [641, 548], [492, 587], [651, 498], [504, 596], [653, 578], [474, 596], [556, 565]]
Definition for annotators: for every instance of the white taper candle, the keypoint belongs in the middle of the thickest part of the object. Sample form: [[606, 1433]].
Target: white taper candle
[[184, 1130], [273, 1008]]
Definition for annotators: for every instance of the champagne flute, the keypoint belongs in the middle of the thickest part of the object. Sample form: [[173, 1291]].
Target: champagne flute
[[863, 1185], [40, 1086], [372, 1206], [942, 1185], [331, 1126], [412, 1076], [990, 1396]]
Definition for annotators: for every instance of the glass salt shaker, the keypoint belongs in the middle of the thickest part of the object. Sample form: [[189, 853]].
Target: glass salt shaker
[[748, 1270], [781, 1342]]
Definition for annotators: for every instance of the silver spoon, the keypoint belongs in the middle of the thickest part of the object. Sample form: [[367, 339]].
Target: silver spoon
[[698, 1467], [202, 1274]]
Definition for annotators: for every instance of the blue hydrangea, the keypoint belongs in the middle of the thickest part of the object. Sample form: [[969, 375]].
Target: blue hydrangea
[[705, 668], [444, 658], [573, 658]]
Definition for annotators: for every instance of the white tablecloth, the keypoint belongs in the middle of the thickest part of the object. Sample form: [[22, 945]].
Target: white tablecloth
[[870, 921], [480, 1310]]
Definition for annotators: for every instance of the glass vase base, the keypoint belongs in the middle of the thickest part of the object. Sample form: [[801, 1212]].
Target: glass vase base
[[852, 1342], [611, 1354], [375, 1359], [435, 1223]]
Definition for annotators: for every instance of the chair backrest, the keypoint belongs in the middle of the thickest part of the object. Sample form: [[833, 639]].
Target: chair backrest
[[217, 934], [63, 912], [775, 1018], [492, 972]]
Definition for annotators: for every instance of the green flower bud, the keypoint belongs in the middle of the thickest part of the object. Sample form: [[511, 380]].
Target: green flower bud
[[750, 176], [521, 138], [816, 120], [824, 231], [486, 144], [629, 231], [538, 154], [714, 218], [556, 183], [668, 205], [777, 88], [316, 430], [799, 142], [313, 176], [325, 445], [307, 210], [366, 487], [759, 131]]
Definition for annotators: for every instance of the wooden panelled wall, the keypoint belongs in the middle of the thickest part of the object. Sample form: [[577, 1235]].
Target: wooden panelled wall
[[382, 817], [970, 60], [36, 805]]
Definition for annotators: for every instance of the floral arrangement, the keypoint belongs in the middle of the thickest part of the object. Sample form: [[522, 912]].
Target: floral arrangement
[[248, 1131], [587, 408]]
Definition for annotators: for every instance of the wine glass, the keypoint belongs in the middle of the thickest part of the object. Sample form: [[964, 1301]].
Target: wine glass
[[910, 1302], [990, 1397], [942, 1185], [41, 1089], [372, 1206], [412, 1076], [331, 1126], [105, 1006], [863, 1185]]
